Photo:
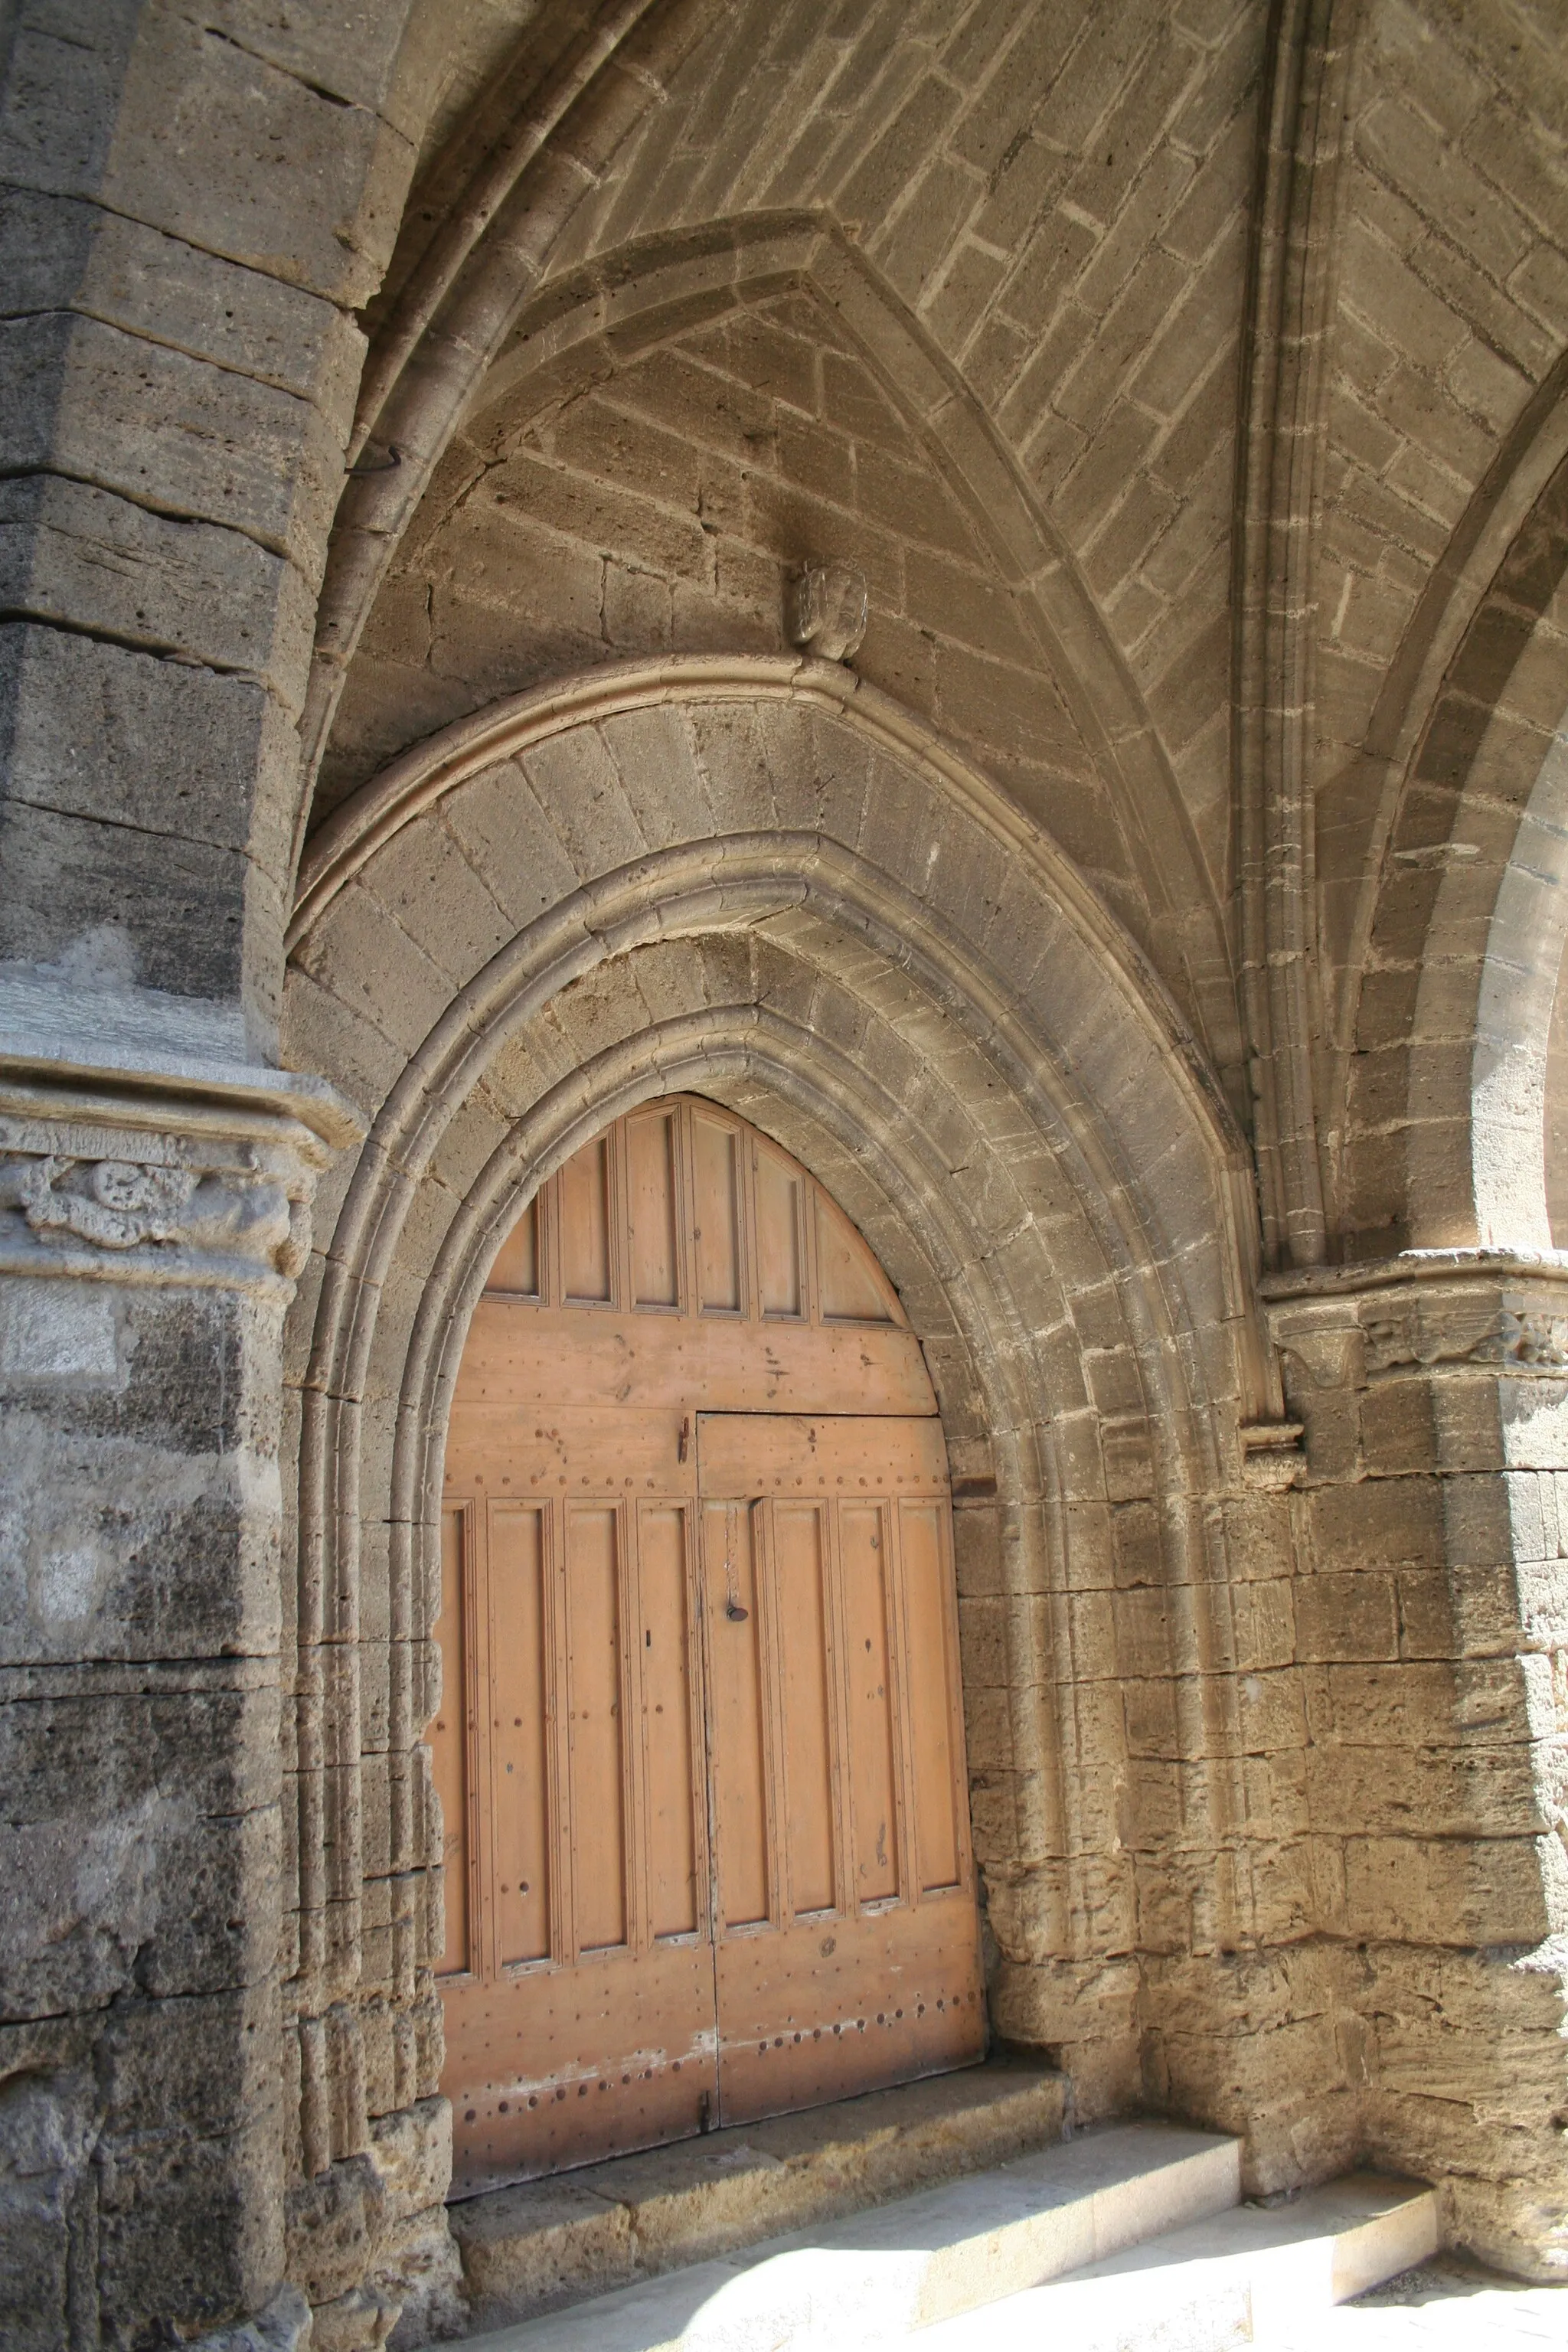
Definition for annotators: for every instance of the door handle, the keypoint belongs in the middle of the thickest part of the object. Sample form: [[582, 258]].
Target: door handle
[[733, 1609]]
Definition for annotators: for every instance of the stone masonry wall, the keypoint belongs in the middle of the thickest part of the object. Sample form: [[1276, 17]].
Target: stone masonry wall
[[1431, 1609], [1059, 195], [1268, 1740], [666, 505], [192, 204]]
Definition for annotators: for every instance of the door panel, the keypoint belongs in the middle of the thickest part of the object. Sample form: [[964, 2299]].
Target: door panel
[[740, 1744], [699, 1751], [801, 1567], [863, 1551], [598, 1816], [719, 1246], [521, 1641], [781, 1236], [829, 1982], [653, 1209], [584, 2021], [587, 1258], [672, 1774]]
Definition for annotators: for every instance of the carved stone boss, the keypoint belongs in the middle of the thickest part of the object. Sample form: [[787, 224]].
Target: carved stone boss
[[828, 610]]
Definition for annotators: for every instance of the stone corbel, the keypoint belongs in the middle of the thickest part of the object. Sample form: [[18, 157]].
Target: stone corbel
[[114, 1169], [829, 609], [1271, 1455]]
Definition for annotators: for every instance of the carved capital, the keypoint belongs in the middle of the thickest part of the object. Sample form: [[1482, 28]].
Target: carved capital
[[1476, 1311], [184, 1175]]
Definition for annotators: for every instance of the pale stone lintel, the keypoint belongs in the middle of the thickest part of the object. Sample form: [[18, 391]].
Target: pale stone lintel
[[1477, 1311], [181, 1171]]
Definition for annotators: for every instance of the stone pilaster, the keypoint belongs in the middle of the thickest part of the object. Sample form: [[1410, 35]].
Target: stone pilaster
[[153, 1214], [1431, 1610]]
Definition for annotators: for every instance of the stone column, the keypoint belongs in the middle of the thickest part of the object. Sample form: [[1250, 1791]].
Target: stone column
[[154, 1210], [1431, 1611]]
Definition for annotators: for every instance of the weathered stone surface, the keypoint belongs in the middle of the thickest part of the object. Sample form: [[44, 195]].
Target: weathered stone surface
[[553, 2242], [1208, 492]]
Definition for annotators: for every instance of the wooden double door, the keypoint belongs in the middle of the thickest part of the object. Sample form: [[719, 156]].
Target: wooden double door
[[699, 1751]]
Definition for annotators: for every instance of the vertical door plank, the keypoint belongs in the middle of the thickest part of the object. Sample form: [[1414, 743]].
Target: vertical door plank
[[664, 1660], [593, 1684], [477, 1696], [929, 1670], [799, 1561], [520, 1732], [717, 1213], [781, 1286], [448, 1738], [651, 1206], [863, 1549], [739, 1762], [839, 1668], [587, 1258]]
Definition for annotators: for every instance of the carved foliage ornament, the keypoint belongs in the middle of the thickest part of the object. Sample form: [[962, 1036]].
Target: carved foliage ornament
[[117, 1205]]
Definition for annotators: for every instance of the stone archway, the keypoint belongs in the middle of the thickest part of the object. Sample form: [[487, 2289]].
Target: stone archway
[[1445, 1122], [761, 882]]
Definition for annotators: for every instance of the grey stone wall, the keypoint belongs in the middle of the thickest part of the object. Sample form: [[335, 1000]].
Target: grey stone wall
[[190, 204]]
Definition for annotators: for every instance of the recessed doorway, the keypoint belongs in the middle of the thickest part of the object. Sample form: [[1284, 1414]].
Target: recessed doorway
[[699, 1750]]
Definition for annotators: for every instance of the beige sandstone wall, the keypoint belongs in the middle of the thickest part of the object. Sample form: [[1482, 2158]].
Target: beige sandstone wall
[[1151, 937]]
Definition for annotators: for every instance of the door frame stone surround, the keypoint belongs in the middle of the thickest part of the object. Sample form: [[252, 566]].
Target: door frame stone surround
[[757, 879]]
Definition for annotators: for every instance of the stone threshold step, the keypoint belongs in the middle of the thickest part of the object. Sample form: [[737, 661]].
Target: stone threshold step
[[547, 2243], [1263, 2276], [875, 2277]]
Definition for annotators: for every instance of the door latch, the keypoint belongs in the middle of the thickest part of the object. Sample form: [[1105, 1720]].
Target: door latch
[[733, 1609]]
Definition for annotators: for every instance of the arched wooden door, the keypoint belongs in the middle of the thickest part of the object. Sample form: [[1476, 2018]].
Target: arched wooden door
[[699, 1751]]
